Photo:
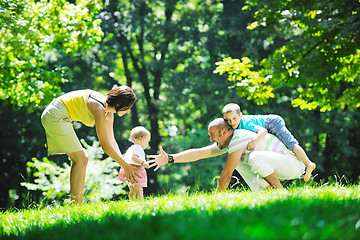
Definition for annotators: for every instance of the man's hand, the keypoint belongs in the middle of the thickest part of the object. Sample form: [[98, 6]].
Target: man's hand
[[158, 160]]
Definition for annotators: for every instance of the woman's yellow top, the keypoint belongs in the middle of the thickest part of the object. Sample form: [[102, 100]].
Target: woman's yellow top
[[76, 104]]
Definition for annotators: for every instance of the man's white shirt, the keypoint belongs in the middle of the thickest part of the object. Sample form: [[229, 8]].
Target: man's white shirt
[[242, 137]]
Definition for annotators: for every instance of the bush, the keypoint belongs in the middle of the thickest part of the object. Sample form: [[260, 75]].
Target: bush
[[54, 180]]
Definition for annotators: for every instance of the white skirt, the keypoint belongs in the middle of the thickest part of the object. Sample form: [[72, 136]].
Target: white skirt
[[60, 134]]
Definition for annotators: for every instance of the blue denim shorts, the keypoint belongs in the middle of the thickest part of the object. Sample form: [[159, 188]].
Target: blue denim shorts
[[276, 125]]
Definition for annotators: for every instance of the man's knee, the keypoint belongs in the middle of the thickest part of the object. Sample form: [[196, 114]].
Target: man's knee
[[258, 165]]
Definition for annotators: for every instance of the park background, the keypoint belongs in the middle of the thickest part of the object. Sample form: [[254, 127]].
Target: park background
[[296, 59]]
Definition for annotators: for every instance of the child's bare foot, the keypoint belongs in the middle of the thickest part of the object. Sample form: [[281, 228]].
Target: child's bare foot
[[309, 169]]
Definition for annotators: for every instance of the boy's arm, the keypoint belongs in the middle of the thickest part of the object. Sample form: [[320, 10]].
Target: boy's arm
[[260, 134]]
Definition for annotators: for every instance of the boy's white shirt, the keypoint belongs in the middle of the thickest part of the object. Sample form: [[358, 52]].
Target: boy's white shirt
[[137, 150]]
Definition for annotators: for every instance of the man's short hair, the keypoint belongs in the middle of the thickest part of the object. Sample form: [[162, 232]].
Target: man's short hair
[[220, 123], [231, 107]]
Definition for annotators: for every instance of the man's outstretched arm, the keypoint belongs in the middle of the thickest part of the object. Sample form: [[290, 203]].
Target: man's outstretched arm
[[190, 155]]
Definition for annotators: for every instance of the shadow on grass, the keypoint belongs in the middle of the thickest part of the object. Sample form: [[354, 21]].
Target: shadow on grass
[[288, 219]]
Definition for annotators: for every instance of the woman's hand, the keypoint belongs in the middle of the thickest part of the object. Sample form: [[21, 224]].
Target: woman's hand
[[158, 160], [131, 173]]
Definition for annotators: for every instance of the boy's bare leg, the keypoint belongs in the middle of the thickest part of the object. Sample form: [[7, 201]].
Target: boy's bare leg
[[274, 181], [310, 166], [308, 171], [136, 193]]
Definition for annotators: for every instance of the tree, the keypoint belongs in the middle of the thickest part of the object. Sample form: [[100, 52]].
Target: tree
[[151, 36], [32, 34], [154, 50], [321, 57], [101, 181]]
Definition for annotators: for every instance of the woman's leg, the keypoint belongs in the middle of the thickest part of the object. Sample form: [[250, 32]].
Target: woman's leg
[[77, 175], [136, 193]]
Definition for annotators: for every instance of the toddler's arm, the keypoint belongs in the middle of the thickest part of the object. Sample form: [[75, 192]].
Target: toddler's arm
[[145, 164], [137, 159], [260, 134]]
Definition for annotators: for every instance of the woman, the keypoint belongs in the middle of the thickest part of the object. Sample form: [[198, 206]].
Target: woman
[[91, 108]]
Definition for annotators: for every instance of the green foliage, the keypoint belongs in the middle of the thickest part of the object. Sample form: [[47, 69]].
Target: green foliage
[[165, 51], [320, 60], [32, 35], [54, 180], [49, 178], [152, 46], [9, 9], [322, 212], [248, 83]]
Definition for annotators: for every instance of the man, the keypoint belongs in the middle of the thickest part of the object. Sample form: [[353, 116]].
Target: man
[[260, 169]]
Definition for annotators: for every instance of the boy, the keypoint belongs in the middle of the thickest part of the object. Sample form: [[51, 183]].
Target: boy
[[261, 124]]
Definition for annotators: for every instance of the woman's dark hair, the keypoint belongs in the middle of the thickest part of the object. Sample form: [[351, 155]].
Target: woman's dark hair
[[121, 98]]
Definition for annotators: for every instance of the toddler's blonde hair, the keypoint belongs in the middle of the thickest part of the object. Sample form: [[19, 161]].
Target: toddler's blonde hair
[[138, 132]]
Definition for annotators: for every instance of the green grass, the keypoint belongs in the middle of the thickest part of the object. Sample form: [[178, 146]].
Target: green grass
[[328, 212]]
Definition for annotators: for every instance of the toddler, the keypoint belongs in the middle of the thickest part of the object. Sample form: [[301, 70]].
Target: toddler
[[135, 156], [261, 124]]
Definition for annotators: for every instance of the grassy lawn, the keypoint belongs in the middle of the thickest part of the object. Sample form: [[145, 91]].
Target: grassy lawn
[[328, 212]]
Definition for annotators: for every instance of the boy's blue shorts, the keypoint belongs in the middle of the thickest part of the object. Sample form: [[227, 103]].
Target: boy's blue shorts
[[276, 125]]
